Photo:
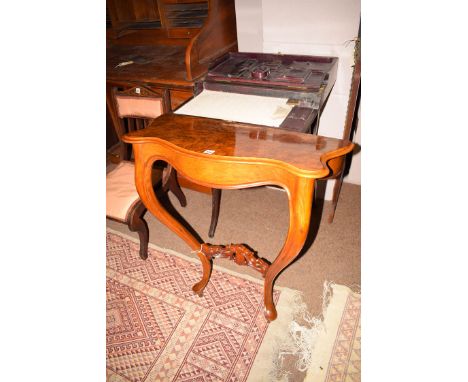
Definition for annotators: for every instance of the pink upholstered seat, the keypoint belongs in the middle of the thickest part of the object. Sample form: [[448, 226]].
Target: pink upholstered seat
[[128, 106], [121, 194]]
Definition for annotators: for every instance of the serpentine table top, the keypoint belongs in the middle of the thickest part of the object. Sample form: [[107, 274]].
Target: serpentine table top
[[222, 154]]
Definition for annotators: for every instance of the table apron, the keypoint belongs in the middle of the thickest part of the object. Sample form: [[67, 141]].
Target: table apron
[[219, 172]]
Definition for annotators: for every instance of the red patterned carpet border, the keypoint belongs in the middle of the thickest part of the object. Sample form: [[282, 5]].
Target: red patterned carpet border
[[158, 330]]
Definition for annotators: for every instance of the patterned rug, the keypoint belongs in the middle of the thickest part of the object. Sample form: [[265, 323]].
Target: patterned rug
[[336, 355], [159, 330]]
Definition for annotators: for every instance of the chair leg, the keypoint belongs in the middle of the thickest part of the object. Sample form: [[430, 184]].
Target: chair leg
[[336, 196], [170, 182], [136, 223], [123, 151], [128, 153], [216, 201]]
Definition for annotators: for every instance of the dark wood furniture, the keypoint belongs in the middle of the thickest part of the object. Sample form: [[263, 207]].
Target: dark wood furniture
[[306, 81], [166, 44], [241, 156]]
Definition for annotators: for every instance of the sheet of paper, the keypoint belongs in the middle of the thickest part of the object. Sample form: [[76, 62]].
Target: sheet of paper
[[269, 111]]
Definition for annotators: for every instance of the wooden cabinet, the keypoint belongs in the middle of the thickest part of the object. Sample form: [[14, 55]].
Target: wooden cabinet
[[165, 44], [137, 21], [185, 34]]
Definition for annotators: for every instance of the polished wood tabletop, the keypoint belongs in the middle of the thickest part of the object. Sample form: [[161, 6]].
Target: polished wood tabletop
[[304, 153], [222, 154]]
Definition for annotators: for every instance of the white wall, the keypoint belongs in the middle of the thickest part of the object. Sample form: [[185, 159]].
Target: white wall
[[311, 27], [249, 21]]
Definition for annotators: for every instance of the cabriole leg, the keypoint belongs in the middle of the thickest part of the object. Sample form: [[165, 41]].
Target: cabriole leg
[[143, 182], [300, 204]]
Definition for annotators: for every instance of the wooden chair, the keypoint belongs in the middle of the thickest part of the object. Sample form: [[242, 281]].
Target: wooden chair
[[136, 108]]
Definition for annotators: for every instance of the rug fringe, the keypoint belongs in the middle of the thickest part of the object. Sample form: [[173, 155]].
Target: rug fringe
[[290, 302], [321, 366], [304, 330]]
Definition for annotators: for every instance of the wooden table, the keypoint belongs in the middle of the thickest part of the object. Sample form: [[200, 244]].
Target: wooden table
[[230, 155]]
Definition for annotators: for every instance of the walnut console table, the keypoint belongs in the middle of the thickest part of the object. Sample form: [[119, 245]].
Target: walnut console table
[[231, 155]]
